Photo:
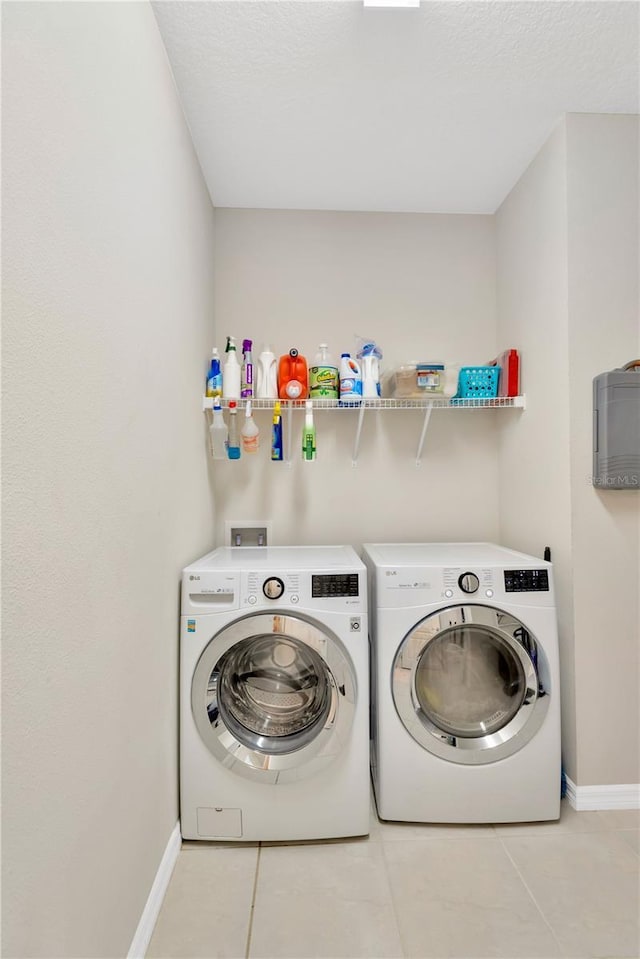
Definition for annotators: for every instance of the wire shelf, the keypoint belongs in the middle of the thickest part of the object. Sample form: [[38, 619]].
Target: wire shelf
[[432, 402]]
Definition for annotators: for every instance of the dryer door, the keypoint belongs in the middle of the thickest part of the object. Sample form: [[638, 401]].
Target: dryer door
[[466, 684], [273, 696]]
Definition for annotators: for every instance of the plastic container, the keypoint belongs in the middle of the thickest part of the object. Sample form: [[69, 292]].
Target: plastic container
[[218, 432], [267, 375], [276, 433], [293, 376], [231, 372], [477, 382], [309, 450], [214, 376], [415, 381], [323, 376], [430, 377], [350, 381], [249, 433], [233, 440], [246, 374]]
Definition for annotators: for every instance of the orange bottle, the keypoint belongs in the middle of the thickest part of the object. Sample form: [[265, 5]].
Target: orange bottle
[[293, 377]]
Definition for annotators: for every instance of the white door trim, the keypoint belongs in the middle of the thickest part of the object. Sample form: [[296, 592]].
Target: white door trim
[[142, 937], [625, 796]]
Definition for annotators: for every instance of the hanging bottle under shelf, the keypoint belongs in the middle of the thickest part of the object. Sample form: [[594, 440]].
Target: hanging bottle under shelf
[[426, 404]]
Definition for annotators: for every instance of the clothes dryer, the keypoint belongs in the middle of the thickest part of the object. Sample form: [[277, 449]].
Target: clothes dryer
[[465, 684], [274, 705]]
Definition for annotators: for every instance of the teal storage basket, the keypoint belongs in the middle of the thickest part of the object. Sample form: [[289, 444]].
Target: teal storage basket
[[477, 383]]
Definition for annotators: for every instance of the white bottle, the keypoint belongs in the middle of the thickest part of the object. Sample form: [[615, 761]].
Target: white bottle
[[231, 372], [250, 433], [370, 376], [218, 432], [267, 379], [350, 381]]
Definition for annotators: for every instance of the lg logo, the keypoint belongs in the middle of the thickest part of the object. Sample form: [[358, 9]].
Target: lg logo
[[194, 577]]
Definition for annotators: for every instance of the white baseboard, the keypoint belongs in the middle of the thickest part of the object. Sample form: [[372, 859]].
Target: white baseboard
[[142, 938], [625, 796]]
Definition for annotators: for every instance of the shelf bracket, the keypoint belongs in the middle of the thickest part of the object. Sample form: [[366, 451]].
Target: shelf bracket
[[356, 445], [425, 424]]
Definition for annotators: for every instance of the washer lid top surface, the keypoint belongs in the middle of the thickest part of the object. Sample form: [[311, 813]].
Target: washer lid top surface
[[316, 558], [448, 554]]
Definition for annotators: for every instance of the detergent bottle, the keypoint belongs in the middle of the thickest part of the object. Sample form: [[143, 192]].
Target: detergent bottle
[[267, 379], [293, 376], [323, 375], [350, 381], [369, 356]]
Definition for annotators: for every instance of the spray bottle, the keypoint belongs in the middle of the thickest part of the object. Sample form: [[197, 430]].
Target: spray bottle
[[233, 441], [231, 372], [218, 432], [308, 434], [214, 376], [246, 379], [250, 432], [276, 433]]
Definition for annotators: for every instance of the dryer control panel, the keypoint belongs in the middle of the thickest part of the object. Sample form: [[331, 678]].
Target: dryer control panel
[[402, 587]]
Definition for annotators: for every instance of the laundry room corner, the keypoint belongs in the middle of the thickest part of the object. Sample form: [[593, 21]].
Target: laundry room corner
[[567, 256]]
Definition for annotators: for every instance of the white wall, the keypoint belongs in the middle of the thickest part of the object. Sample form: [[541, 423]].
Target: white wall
[[604, 333], [108, 245], [568, 297], [423, 286]]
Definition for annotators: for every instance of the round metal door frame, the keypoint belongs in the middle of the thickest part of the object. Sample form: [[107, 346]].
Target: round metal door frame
[[301, 761], [478, 749]]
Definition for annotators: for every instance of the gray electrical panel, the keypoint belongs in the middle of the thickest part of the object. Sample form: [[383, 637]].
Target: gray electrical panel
[[616, 430]]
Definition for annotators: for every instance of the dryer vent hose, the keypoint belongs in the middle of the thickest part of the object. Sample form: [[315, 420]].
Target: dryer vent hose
[[632, 365]]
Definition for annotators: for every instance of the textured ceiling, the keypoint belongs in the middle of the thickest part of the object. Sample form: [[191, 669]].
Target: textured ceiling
[[307, 104]]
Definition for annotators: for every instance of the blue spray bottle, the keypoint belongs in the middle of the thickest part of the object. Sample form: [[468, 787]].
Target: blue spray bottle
[[276, 433], [214, 376]]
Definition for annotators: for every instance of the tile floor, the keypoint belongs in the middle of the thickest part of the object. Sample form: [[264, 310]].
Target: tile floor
[[568, 888]]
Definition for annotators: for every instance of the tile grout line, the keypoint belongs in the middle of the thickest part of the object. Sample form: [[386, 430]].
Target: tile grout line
[[392, 897], [253, 903], [534, 900]]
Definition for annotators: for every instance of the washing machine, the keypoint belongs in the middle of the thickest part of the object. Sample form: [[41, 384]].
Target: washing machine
[[274, 701], [465, 685]]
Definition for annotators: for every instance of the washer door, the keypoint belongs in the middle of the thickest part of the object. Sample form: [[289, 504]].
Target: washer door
[[273, 696], [465, 684]]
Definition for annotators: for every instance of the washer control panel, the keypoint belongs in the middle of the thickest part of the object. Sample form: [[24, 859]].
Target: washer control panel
[[328, 585], [262, 589]]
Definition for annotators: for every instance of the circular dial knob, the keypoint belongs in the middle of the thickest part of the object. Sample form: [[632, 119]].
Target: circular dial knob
[[468, 582], [273, 588]]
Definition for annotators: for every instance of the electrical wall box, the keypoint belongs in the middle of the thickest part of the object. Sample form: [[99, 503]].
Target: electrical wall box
[[250, 532], [616, 430]]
